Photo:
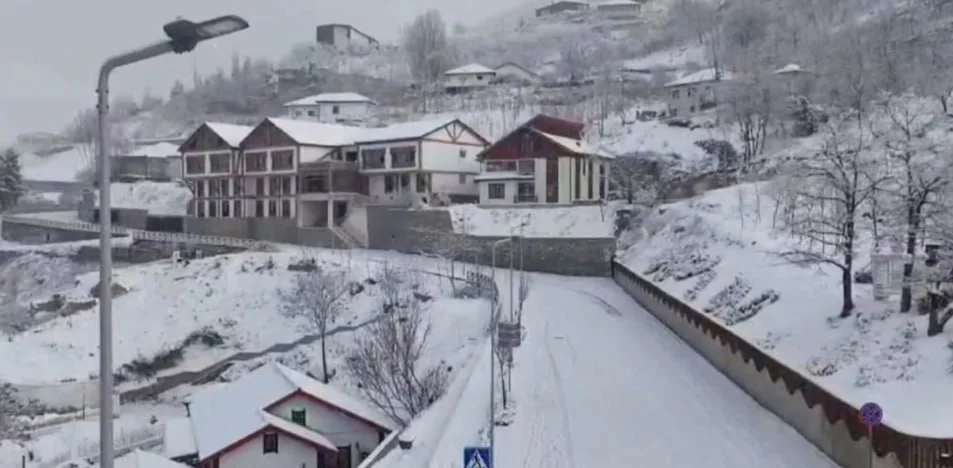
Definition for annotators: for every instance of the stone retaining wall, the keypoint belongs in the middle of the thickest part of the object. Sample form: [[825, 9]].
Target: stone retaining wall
[[821, 417]]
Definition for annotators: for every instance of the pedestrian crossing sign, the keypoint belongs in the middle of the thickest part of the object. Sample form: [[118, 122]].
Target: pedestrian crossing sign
[[477, 457]]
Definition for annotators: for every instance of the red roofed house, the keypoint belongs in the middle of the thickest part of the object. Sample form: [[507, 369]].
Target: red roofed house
[[277, 417], [543, 161]]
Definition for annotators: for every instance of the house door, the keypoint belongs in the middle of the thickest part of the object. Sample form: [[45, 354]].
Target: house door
[[344, 457], [552, 180]]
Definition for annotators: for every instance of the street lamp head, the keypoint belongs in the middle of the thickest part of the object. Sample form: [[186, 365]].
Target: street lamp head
[[185, 34]]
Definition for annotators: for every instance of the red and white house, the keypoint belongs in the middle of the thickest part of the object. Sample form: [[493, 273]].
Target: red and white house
[[543, 161], [277, 417]]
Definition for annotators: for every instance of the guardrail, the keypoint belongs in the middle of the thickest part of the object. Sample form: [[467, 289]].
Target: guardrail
[[138, 234], [125, 441], [824, 419]]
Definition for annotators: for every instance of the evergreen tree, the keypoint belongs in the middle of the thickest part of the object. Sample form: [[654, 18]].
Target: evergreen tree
[[11, 179]]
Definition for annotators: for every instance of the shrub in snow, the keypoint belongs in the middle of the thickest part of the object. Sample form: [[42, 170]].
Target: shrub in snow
[[117, 290], [144, 367], [702, 280], [864, 277], [729, 297], [722, 150], [751, 308], [206, 336], [306, 264]]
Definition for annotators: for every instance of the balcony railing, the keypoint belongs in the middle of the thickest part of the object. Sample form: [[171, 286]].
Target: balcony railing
[[525, 198]]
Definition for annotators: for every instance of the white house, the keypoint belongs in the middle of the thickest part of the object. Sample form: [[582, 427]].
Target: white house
[[350, 108], [211, 164], [169, 152], [468, 77], [544, 161], [510, 70], [696, 91], [344, 37], [424, 160], [625, 10], [277, 417]]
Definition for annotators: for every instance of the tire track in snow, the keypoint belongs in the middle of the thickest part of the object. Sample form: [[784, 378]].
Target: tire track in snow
[[561, 395]]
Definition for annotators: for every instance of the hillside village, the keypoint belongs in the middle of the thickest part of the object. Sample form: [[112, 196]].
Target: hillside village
[[324, 260]]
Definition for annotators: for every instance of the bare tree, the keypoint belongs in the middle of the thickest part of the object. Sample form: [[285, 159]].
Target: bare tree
[[832, 188], [428, 51], [697, 16], [316, 296], [924, 174], [386, 361], [749, 107], [10, 407], [574, 58]]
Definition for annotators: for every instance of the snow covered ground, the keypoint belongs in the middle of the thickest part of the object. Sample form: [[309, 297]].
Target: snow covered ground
[[235, 295], [599, 382], [59, 167], [876, 355], [591, 221]]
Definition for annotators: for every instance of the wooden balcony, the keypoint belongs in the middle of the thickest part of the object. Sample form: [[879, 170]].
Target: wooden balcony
[[331, 176]]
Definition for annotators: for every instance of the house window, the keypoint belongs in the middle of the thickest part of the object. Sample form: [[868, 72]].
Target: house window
[[311, 113], [212, 209], [402, 157], [219, 163], [239, 187], [200, 209], [259, 209], [691, 91], [200, 188], [299, 416], [226, 208], [373, 158], [237, 209], [274, 186], [272, 208], [350, 156], [195, 164], [462, 178], [286, 212], [282, 160], [314, 184], [675, 94], [496, 191], [255, 162], [422, 183], [500, 166], [213, 188], [260, 186], [526, 192], [223, 187], [269, 443], [286, 186], [335, 110], [526, 166], [463, 153], [389, 184]]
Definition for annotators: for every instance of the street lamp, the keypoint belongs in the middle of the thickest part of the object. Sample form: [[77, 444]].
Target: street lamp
[[493, 319], [183, 36]]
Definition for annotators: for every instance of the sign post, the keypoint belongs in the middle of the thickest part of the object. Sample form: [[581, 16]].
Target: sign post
[[509, 335], [871, 414], [477, 457]]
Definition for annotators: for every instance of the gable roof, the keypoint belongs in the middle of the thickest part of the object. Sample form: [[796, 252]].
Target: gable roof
[[514, 64], [143, 459], [704, 75], [317, 134], [156, 150], [330, 98], [404, 130], [232, 134], [574, 146], [228, 414], [470, 69]]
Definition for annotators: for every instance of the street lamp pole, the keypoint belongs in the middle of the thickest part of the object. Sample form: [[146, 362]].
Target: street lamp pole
[[183, 36], [493, 344]]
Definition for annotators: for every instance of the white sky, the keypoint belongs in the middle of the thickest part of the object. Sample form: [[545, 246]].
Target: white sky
[[50, 50]]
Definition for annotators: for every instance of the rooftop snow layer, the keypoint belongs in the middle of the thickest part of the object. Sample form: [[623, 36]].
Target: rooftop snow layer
[[318, 134], [329, 98], [403, 131], [231, 133], [158, 150], [470, 69], [701, 76]]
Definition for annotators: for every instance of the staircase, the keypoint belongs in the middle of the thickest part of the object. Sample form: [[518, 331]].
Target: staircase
[[349, 241]]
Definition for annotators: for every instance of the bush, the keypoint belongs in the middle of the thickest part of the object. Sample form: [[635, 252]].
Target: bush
[[146, 368], [722, 150], [205, 336]]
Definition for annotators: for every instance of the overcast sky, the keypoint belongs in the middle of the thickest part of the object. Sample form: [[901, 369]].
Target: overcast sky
[[50, 50]]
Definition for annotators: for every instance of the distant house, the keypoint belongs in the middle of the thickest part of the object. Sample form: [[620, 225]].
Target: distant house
[[468, 77], [619, 10], [695, 92], [794, 79], [510, 70], [159, 161], [212, 167], [543, 161], [278, 417], [561, 6], [344, 37], [143, 459], [350, 108]]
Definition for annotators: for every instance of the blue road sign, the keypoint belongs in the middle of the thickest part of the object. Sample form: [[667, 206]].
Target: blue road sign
[[477, 457], [871, 414]]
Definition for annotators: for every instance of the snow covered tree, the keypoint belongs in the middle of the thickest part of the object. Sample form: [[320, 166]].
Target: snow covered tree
[[826, 202], [427, 48], [11, 179], [9, 408], [177, 90], [316, 296]]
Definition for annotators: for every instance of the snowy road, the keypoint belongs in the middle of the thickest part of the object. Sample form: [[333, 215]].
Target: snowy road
[[600, 383]]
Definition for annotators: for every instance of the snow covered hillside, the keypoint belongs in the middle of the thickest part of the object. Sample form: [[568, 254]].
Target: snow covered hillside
[[721, 253], [161, 307], [159, 198], [62, 166]]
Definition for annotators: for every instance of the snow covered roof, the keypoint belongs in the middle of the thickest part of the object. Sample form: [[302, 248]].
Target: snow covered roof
[[575, 146], [157, 150], [231, 133], [470, 69], [227, 413], [502, 175], [404, 130], [178, 439], [330, 98], [701, 76], [790, 68], [143, 459], [317, 134]]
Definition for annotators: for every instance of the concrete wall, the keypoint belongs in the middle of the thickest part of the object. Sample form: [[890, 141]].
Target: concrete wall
[[34, 235], [416, 231], [281, 230], [834, 439]]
